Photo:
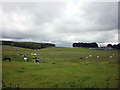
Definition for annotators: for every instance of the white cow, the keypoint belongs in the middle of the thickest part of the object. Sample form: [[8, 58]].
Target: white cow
[[98, 56], [110, 57], [25, 58], [90, 55], [33, 54], [86, 57]]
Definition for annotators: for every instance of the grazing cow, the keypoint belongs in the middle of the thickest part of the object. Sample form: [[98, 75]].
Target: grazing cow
[[33, 54], [81, 58], [53, 63], [21, 54], [86, 57], [98, 56], [113, 54], [36, 60], [90, 55], [25, 58], [6, 58], [110, 57]]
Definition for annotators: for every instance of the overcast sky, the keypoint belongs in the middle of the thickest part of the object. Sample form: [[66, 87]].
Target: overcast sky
[[61, 23]]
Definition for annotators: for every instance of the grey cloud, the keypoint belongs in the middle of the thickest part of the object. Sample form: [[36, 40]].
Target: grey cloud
[[105, 14], [96, 17], [51, 22]]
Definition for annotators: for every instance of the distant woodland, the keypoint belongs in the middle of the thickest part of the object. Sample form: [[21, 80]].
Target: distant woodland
[[95, 45], [115, 46], [30, 45], [33, 45], [85, 45]]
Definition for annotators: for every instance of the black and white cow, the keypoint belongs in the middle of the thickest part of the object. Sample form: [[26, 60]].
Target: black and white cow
[[6, 58]]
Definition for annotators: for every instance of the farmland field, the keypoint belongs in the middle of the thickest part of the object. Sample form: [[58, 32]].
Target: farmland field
[[60, 67]]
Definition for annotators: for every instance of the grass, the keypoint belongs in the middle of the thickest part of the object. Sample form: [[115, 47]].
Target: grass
[[69, 71]]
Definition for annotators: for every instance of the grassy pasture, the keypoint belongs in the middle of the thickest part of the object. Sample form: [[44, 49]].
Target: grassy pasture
[[69, 71]]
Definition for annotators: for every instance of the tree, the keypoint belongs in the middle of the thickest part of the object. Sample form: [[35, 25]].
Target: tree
[[109, 45], [94, 44], [30, 45]]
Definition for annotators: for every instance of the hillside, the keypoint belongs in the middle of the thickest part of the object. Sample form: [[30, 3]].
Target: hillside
[[60, 68]]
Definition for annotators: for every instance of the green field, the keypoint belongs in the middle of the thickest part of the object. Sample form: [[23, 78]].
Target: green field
[[69, 71]]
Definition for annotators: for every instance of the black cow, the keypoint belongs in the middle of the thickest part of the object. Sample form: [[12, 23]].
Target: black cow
[[21, 54], [81, 58], [6, 58]]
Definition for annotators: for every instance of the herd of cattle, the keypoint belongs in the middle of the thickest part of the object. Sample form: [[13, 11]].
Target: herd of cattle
[[37, 60], [97, 56]]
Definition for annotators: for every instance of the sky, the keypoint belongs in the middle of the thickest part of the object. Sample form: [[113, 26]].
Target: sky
[[61, 23]]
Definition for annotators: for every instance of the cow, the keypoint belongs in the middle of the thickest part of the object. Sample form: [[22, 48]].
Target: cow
[[110, 57], [90, 55], [21, 54], [36, 60], [81, 58], [98, 56], [6, 58], [86, 57], [34, 54], [25, 58]]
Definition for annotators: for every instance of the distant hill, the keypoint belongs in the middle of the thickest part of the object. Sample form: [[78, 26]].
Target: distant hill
[[30, 45]]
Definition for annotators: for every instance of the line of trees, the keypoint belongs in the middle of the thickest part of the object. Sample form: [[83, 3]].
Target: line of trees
[[94, 44], [30, 45], [115, 46]]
